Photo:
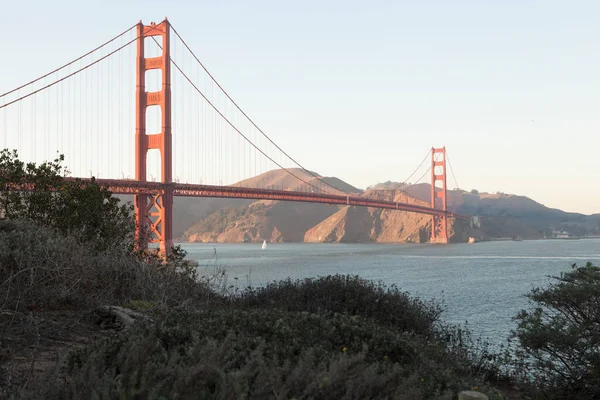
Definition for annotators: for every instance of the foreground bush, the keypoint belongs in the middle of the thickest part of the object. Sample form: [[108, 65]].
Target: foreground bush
[[332, 337], [70, 206], [351, 295], [560, 337], [230, 353], [43, 269]]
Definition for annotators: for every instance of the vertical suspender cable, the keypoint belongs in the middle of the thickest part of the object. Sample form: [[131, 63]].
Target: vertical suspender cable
[[59, 109], [19, 123], [120, 130], [4, 125], [102, 135], [33, 127]]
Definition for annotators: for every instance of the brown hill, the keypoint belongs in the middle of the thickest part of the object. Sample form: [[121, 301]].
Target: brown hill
[[261, 220], [507, 215], [358, 224], [188, 211], [242, 224], [281, 180], [503, 216], [267, 220]]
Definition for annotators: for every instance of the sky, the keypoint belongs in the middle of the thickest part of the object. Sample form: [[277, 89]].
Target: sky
[[362, 90]]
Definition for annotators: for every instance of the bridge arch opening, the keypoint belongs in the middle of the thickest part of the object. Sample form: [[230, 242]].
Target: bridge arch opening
[[153, 159], [153, 80], [153, 120], [151, 46]]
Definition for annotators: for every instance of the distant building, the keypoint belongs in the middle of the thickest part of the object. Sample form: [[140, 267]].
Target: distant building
[[561, 234]]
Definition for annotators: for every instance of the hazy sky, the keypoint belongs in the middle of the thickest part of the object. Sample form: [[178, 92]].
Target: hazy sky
[[361, 90]]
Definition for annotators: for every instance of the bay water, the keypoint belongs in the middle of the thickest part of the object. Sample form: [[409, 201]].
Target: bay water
[[483, 284]]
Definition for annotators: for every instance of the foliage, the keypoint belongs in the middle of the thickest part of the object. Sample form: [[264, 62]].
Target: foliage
[[43, 269], [561, 335], [332, 337], [71, 206], [351, 295], [230, 353], [68, 245]]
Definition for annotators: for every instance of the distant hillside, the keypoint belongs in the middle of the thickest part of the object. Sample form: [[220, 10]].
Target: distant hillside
[[508, 215], [281, 180], [262, 220], [290, 221], [256, 221], [239, 220], [360, 224], [188, 210]]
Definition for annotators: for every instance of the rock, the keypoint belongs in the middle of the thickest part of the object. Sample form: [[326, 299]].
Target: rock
[[118, 318], [276, 236], [471, 395]]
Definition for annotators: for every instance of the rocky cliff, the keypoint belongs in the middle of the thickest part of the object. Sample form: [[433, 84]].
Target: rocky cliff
[[359, 224], [263, 220]]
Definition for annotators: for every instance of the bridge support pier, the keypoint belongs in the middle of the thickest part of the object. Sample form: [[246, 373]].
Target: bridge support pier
[[154, 213], [439, 224]]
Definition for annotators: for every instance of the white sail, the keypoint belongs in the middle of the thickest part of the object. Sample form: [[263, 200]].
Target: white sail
[[264, 246]]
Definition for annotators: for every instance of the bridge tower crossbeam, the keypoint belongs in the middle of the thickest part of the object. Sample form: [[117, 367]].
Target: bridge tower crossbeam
[[154, 213]]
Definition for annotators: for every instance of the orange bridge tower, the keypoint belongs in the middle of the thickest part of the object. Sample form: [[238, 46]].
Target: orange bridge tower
[[439, 225], [154, 212]]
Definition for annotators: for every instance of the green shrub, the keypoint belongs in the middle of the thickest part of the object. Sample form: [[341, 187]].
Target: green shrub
[[72, 207], [351, 295], [560, 336], [222, 354], [44, 269]]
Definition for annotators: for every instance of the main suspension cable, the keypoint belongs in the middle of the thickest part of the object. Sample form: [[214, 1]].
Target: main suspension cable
[[77, 71], [419, 180], [452, 170], [69, 75], [420, 165], [69, 63], [248, 118], [235, 128], [405, 189]]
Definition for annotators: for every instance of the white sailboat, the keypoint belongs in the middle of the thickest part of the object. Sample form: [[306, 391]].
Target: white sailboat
[[264, 246]]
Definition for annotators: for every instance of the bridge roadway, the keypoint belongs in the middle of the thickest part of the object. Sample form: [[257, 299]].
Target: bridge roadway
[[125, 186]]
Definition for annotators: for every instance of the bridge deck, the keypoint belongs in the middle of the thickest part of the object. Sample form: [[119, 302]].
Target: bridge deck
[[120, 186]]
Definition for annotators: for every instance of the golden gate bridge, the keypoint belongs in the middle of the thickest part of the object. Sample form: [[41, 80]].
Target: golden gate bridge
[[176, 134]]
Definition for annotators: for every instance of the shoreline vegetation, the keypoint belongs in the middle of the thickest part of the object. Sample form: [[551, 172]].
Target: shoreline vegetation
[[83, 314]]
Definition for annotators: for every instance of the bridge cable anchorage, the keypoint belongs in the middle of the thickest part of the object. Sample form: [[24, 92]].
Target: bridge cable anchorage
[[452, 171], [69, 63], [249, 119], [235, 128]]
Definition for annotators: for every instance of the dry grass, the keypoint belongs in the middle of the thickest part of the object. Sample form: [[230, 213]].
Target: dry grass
[[52, 284], [41, 270]]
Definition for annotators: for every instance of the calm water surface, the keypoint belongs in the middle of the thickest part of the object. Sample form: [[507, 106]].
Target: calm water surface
[[482, 283]]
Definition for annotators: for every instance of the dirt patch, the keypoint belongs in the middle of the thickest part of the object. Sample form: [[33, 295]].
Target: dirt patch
[[37, 342]]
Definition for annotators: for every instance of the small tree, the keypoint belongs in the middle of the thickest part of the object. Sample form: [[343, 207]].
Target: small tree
[[41, 194], [561, 335]]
